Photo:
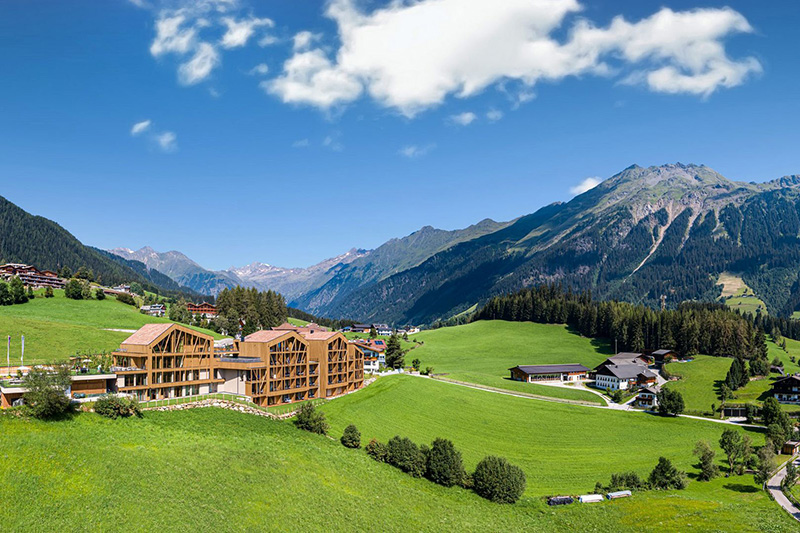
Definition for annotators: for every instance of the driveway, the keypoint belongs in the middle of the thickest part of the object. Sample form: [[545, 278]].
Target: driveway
[[774, 488]]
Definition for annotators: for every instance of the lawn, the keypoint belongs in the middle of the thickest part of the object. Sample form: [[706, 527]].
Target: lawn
[[738, 295], [564, 449], [56, 328], [215, 470], [483, 351], [698, 383]]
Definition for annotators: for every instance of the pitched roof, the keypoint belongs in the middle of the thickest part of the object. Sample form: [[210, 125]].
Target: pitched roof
[[551, 369], [625, 371], [148, 333], [662, 352], [318, 335], [265, 335]]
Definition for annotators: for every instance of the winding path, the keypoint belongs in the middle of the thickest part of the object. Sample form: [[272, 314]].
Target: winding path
[[774, 488]]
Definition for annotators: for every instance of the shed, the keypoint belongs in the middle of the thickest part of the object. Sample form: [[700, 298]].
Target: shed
[[790, 447], [591, 498]]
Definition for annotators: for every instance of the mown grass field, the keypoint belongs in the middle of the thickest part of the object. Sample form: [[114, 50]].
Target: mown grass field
[[565, 449], [215, 470], [698, 380], [483, 351], [57, 328], [738, 295]]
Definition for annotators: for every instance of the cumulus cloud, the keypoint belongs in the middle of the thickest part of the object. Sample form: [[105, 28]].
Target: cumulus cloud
[[585, 185], [140, 127], [167, 141], [302, 41], [464, 119], [414, 151], [413, 55], [239, 32], [196, 32]]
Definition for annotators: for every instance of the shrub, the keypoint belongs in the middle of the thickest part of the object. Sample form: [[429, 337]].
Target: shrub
[[706, 455], [351, 437], [405, 455], [126, 298], [114, 407], [665, 476], [47, 392], [48, 292], [99, 294], [74, 290], [377, 450], [499, 481], [309, 419], [444, 464]]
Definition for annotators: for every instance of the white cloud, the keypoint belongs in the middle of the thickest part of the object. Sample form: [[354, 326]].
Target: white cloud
[[414, 151], [493, 115], [199, 67], [140, 127], [302, 143], [196, 32], [302, 41], [413, 55], [259, 70], [464, 119], [239, 32], [267, 40], [167, 141], [332, 142], [585, 185]]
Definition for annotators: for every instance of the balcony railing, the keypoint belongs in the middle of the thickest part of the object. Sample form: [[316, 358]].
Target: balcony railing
[[127, 369]]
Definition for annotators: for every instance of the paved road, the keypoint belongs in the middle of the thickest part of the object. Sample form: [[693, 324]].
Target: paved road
[[774, 487]]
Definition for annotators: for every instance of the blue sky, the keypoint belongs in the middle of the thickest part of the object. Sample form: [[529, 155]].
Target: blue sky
[[371, 120]]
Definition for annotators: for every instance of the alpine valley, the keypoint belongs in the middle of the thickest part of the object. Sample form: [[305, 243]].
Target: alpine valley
[[646, 232]]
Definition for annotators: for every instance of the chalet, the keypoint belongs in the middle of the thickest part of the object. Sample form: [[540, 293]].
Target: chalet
[[374, 351], [623, 376], [154, 309], [361, 328], [31, 276], [787, 390], [648, 398], [531, 373], [383, 329], [205, 310], [660, 355]]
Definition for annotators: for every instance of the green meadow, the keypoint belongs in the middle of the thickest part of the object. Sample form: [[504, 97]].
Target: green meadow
[[209, 469], [483, 351], [57, 328]]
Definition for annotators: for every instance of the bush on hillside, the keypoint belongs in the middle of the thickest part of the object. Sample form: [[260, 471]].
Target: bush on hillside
[[670, 402], [665, 476], [73, 290], [444, 464], [622, 481], [351, 437], [48, 292], [377, 450], [405, 455], [126, 298], [46, 394], [499, 481], [309, 419], [5, 294], [99, 294], [112, 406]]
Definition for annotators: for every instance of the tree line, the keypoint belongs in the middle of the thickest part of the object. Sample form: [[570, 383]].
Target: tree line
[[691, 329]]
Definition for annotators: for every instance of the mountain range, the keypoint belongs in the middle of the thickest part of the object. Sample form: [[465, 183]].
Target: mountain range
[[643, 234], [646, 232]]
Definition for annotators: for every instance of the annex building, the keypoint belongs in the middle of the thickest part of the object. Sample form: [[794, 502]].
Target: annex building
[[270, 367], [532, 373]]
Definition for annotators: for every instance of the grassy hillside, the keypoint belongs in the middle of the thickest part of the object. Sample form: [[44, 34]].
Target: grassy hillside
[[56, 328], [699, 380], [738, 295], [564, 449], [214, 470], [482, 353]]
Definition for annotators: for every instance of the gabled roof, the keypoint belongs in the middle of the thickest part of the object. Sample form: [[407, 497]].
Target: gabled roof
[[551, 369], [663, 352], [625, 371], [266, 335], [148, 334], [792, 380]]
